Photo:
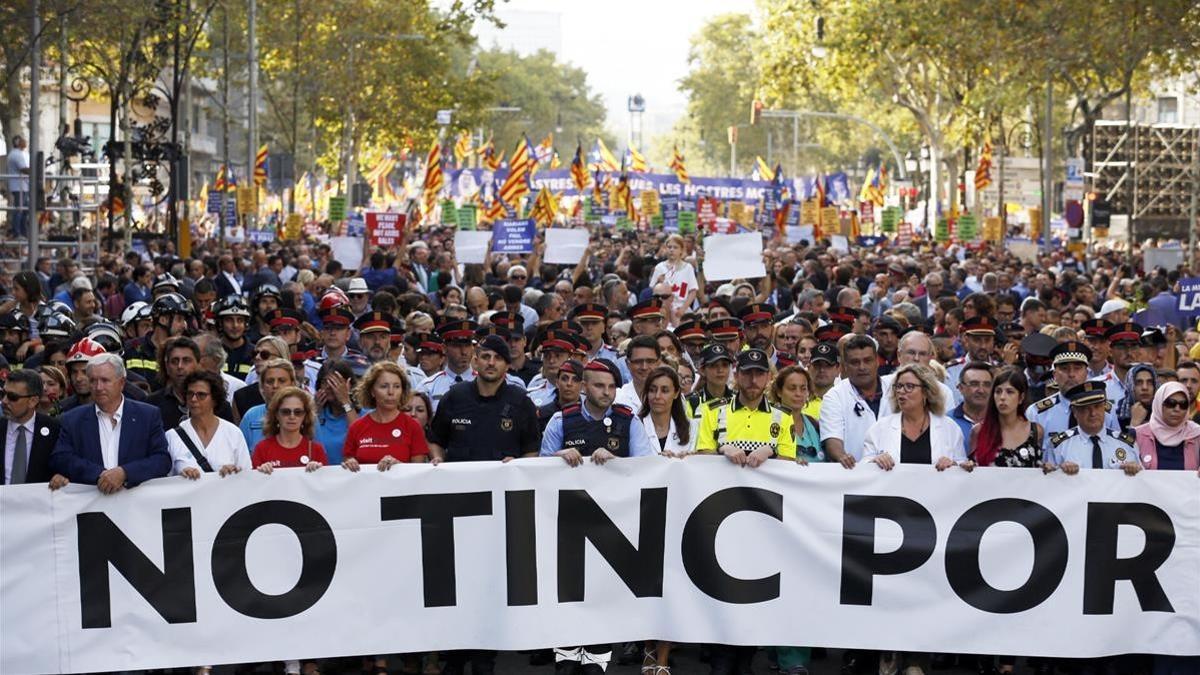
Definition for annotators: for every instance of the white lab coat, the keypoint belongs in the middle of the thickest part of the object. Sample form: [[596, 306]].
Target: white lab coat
[[945, 439], [674, 445]]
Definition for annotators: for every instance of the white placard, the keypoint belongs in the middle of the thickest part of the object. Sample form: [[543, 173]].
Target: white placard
[[839, 242], [472, 555], [348, 251], [733, 256], [1024, 250], [1166, 258], [565, 246], [799, 233], [471, 246]]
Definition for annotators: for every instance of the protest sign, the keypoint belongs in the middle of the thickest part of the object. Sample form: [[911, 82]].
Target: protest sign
[[1023, 249], [810, 212], [337, 209], [251, 567], [513, 236], [967, 228], [831, 221], [904, 235], [565, 246], [941, 231], [348, 251], [650, 202], [733, 256], [247, 201], [1167, 258], [291, 227], [471, 246], [888, 219], [707, 211], [840, 243], [449, 212], [467, 217], [1189, 296], [687, 222], [993, 228], [799, 233], [385, 228]]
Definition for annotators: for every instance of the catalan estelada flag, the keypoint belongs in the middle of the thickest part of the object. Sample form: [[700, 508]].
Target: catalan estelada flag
[[435, 180], [261, 167], [983, 172], [578, 171], [678, 167]]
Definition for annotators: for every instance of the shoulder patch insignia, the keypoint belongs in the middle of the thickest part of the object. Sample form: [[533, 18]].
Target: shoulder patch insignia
[[1047, 403], [622, 410], [1126, 437], [1058, 437], [715, 403], [1108, 405]]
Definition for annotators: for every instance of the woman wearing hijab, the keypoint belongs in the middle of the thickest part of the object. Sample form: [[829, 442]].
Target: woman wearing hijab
[[1140, 384], [1170, 441]]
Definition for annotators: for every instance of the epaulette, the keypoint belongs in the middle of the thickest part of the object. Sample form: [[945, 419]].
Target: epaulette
[[782, 408], [571, 409], [956, 362], [715, 403], [1046, 403], [622, 410], [1126, 437], [1058, 437], [1108, 405]]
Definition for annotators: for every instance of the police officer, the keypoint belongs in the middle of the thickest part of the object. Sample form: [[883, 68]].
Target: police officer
[[554, 347], [746, 428], [375, 330], [264, 302], [727, 331], [335, 340], [1054, 413], [1124, 343], [1093, 333], [170, 314], [715, 366], [459, 339], [596, 427], [979, 338], [569, 385], [14, 338], [233, 318], [758, 325], [1090, 445], [592, 320], [522, 365], [692, 335]]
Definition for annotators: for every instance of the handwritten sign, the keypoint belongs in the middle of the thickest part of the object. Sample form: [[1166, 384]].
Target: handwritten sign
[[513, 236], [385, 228]]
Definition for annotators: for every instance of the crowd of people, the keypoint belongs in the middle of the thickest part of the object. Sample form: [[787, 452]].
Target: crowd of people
[[242, 358]]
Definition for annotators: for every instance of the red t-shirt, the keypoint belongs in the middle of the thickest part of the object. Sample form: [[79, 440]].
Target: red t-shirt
[[369, 441], [269, 450]]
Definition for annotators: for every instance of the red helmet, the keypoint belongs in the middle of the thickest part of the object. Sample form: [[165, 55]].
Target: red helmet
[[332, 299], [84, 350]]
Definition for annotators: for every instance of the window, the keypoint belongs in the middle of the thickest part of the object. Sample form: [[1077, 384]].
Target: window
[[1168, 110]]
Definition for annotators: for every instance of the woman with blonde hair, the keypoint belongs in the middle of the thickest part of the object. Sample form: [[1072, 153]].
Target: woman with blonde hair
[[387, 435], [288, 431], [920, 433]]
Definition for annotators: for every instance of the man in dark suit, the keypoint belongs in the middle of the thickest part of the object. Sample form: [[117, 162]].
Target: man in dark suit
[[114, 443], [28, 436], [933, 290]]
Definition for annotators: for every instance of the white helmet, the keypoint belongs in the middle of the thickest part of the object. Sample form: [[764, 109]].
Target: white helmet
[[134, 312]]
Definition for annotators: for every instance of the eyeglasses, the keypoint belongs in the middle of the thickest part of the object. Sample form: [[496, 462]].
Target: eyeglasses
[[264, 355], [519, 277], [917, 354], [201, 395], [977, 385], [1175, 403], [906, 386], [14, 396], [291, 412]]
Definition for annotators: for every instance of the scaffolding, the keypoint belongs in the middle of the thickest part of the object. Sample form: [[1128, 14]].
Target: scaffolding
[[1148, 172], [70, 227]]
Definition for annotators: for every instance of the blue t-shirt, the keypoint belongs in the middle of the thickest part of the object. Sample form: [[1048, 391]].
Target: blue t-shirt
[[377, 279], [252, 426], [1170, 457], [331, 433]]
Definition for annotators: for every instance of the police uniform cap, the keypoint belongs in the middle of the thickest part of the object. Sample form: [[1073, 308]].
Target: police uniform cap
[[647, 309], [1153, 337], [1096, 327], [514, 321], [1071, 351], [492, 329], [1087, 393], [606, 366], [1129, 331], [691, 330], [588, 311], [285, 316], [1038, 346], [831, 332], [498, 345], [713, 353], [429, 342], [753, 359], [757, 313], [564, 325], [374, 322], [457, 331], [887, 323], [979, 325], [337, 316], [724, 329], [556, 339], [843, 315], [825, 351], [571, 367]]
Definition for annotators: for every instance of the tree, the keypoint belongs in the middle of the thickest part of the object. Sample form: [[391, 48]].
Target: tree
[[553, 98]]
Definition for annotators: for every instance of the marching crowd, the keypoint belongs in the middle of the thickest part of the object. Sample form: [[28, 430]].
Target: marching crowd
[[241, 358]]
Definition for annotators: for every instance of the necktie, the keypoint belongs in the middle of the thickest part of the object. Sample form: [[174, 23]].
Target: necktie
[[1097, 454], [20, 459], [457, 379]]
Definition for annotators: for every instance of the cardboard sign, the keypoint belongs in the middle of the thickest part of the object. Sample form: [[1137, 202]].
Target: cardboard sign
[[733, 256], [247, 201], [385, 228], [708, 209], [471, 246], [941, 231], [650, 202], [449, 212], [993, 228], [831, 221], [513, 236], [565, 246], [347, 250], [810, 213], [292, 226], [967, 228], [687, 222], [888, 219], [337, 209], [467, 217]]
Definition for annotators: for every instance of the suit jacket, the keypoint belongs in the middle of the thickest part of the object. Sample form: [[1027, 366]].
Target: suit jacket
[[142, 449], [45, 435], [945, 439], [223, 285]]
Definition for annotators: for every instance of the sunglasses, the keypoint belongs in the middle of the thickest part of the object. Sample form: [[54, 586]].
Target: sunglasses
[[291, 412], [1175, 403], [264, 355], [198, 395], [14, 396]]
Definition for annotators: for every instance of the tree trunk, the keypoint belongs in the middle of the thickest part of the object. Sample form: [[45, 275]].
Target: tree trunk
[[11, 110]]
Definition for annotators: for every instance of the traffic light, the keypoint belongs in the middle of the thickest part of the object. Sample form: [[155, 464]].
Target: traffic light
[[756, 107]]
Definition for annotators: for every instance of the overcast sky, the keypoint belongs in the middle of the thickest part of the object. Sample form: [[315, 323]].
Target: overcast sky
[[631, 46]]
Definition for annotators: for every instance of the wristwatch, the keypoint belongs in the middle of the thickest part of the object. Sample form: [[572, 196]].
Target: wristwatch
[[347, 407]]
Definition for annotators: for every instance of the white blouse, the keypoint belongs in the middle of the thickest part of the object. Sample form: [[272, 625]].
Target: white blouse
[[674, 445], [228, 446]]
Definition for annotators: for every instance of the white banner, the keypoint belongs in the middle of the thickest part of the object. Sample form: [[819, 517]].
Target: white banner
[[532, 553]]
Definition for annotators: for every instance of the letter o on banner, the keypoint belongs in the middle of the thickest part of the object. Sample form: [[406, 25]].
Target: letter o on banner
[[318, 551], [1049, 555]]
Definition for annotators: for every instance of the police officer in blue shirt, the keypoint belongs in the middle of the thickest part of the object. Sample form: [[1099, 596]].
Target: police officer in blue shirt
[[554, 346], [1054, 413], [596, 428], [1089, 445]]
